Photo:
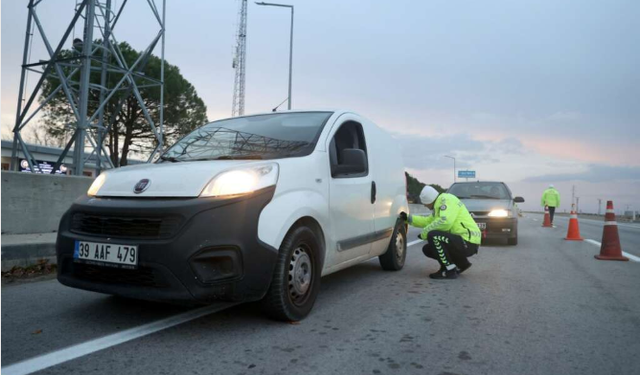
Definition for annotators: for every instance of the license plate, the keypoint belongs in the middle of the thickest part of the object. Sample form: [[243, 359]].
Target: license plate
[[482, 225], [106, 254]]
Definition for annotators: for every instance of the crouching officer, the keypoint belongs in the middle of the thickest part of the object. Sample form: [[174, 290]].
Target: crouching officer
[[451, 232]]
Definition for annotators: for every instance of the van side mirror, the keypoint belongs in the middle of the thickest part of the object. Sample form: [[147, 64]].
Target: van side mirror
[[518, 200], [354, 161]]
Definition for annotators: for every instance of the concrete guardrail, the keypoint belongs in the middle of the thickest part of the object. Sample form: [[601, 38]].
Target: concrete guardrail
[[34, 203]]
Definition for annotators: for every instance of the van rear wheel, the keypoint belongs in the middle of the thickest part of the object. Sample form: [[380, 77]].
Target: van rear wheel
[[296, 279], [393, 259]]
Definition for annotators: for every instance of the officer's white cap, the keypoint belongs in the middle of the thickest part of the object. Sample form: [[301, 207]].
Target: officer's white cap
[[428, 195]]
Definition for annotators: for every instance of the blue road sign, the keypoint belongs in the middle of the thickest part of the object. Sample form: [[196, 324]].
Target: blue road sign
[[466, 174]]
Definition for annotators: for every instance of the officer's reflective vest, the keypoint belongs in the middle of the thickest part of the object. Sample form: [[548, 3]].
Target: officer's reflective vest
[[449, 215], [550, 198]]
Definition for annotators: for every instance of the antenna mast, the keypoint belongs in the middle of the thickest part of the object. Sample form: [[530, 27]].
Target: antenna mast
[[239, 61]]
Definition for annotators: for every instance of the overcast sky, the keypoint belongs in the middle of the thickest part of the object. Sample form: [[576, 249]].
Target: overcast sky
[[530, 92]]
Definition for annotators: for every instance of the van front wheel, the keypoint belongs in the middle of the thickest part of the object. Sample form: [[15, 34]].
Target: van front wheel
[[393, 259], [296, 279]]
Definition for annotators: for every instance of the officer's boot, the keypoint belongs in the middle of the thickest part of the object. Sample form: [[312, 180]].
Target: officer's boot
[[463, 265], [449, 272]]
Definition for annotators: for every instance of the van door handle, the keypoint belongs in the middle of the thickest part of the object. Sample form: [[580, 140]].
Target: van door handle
[[373, 192]]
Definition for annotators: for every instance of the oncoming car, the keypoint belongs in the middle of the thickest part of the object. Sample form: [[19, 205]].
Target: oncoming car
[[242, 209], [492, 206]]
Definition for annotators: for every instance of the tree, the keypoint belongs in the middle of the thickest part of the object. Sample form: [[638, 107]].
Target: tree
[[184, 110], [414, 187]]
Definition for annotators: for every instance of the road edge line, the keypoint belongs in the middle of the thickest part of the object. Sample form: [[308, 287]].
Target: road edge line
[[57, 357], [630, 256], [414, 242]]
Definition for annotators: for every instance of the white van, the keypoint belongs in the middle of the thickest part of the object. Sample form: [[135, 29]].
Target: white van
[[242, 209]]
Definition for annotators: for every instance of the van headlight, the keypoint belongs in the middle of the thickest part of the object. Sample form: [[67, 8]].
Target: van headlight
[[242, 181], [96, 185], [498, 213]]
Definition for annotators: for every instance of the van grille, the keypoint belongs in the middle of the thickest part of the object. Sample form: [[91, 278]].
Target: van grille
[[129, 227], [107, 275]]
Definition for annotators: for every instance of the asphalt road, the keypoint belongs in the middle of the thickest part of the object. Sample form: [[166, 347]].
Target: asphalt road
[[545, 306], [592, 229]]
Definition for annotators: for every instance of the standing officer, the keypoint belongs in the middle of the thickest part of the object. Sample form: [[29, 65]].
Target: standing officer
[[451, 232], [551, 199]]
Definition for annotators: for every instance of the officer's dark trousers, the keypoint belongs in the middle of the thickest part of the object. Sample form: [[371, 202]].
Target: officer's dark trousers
[[448, 249], [552, 211]]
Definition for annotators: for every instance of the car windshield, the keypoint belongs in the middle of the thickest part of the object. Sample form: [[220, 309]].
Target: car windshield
[[480, 190], [271, 136]]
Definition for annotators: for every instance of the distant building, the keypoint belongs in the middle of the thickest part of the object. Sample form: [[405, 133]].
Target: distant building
[[47, 156], [632, 214]]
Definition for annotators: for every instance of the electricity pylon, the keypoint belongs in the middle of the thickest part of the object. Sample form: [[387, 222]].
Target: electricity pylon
[[97, 53]]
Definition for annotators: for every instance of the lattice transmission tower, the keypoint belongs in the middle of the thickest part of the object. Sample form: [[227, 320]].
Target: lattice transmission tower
[[240, 61], [97, 54]]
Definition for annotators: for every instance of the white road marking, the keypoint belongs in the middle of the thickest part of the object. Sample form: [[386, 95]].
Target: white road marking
[[534, 219], [414, 242], [76, 351], [595, 221], [630, 256], [593, 242]]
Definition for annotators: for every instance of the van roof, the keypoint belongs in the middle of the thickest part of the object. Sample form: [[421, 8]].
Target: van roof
[[335, 110], [475, 182]]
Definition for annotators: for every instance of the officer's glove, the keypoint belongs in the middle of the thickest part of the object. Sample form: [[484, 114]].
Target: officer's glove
[[404, 216]]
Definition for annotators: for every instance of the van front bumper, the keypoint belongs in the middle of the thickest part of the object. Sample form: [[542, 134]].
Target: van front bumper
[[189, 250]]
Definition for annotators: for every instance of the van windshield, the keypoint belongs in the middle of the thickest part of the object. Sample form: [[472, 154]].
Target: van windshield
[[271, 136]]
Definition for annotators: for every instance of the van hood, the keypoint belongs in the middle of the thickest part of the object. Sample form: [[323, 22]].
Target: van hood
[[180, 180], [481, 205]]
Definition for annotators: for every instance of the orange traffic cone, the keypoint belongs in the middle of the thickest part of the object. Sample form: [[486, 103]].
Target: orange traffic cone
[[573, 233], [610, 248], [547, 219]]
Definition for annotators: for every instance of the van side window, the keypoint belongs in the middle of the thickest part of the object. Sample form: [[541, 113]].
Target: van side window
[[342, 154]]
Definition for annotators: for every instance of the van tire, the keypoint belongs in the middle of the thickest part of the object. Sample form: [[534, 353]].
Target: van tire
[[291, 299], [393, 259]]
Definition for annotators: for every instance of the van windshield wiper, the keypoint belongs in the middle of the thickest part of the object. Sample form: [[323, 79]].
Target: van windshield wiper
[[483, 196], [172, 159], [228, 157], [237, 157]]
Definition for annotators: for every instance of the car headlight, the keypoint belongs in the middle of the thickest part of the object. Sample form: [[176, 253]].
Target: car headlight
[[96, 185], [498, 213], [242, 181]]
